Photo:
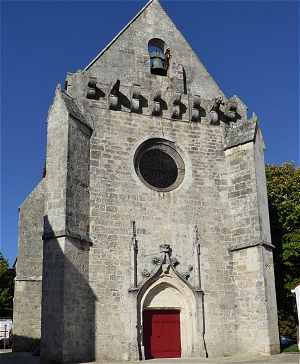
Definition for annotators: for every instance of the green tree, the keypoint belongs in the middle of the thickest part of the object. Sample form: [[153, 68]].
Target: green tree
[[6, 288], [283, 184]]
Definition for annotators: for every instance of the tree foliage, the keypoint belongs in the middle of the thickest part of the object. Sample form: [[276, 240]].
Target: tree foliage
[[283, 184], [6, 288]]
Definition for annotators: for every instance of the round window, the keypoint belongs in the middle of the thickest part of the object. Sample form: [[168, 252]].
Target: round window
[[159, 165]]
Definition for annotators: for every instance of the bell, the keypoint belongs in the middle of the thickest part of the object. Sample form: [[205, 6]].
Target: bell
[[175, 111], [158, 63], [214, 117], [91, 93], [156, 109], [195, 114], [113, 101]]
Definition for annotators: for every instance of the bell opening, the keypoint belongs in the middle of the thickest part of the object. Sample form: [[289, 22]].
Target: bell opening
[[158, 63]]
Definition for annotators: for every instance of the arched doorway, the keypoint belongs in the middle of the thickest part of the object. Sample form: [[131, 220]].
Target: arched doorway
[[167, 318]]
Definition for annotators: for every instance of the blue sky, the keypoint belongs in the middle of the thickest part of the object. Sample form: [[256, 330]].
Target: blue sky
[[250, 48]]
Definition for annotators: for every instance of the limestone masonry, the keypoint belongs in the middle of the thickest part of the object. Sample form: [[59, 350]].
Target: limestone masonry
[[149, 234]]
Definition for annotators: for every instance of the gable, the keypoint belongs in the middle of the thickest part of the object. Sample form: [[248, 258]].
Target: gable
[[127, 58]]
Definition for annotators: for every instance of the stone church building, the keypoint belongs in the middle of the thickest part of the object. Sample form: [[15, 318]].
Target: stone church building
[[148, 235]]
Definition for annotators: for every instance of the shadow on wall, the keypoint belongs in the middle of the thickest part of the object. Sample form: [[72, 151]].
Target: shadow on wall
[[21, 342], [18, 358], [68, 302]]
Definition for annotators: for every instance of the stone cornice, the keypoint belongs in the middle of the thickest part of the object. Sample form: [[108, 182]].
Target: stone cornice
[[76, 113], [29, 279], [240, 133], [241, 246], [163, 102]]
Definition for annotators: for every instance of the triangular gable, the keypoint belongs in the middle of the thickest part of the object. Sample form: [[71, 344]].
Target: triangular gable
[[126, 57], [117, 36]]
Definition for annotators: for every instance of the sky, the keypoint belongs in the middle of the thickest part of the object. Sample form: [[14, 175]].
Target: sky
[[251, 48]]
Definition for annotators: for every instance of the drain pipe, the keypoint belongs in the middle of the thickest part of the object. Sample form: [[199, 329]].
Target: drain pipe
[[199, 289], [134, 246], [203, 326]]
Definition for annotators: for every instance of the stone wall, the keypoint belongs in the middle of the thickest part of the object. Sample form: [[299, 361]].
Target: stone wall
[[68, 303], [118, 197], [28, 281]]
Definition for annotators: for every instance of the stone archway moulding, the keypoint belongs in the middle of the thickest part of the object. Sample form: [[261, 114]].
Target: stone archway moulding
[[170, 292]]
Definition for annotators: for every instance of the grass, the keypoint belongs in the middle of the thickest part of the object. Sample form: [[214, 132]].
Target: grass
[[291, 349]]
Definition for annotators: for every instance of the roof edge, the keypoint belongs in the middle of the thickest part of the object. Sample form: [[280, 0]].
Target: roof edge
[[118, 35]]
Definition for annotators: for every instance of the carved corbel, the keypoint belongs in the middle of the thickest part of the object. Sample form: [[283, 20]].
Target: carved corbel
[[231, 110], [175, 112], [94, 91], [156, 106], [113, 95], [215, 110], [91, 92], [195, 110], [135, 98]]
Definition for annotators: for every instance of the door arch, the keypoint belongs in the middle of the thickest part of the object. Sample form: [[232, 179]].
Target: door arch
[[169, 292]]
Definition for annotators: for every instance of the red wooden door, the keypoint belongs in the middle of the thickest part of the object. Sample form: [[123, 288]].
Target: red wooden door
[[161, 334]]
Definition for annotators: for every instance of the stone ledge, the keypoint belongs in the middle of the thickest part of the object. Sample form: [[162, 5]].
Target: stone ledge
[[67, 234], [251, 245], [29, 279], [238, 134], [76, 113]]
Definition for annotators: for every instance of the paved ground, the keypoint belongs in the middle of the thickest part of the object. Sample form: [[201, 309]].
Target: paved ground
[[7, 357]]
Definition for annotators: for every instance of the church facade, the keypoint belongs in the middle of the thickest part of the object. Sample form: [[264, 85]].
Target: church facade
[[149, 234]]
